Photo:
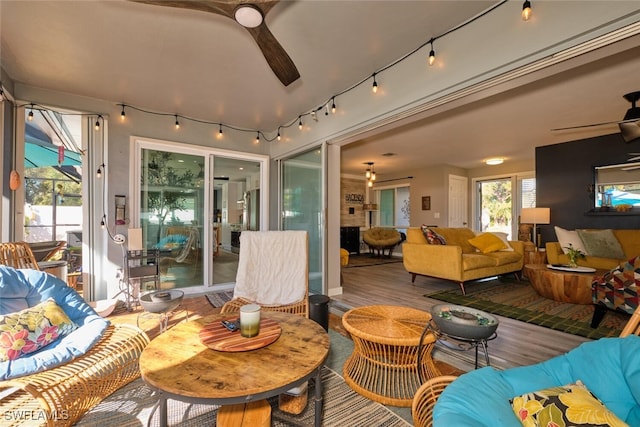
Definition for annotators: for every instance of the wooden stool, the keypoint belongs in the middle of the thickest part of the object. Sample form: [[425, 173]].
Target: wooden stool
[[252, 414]]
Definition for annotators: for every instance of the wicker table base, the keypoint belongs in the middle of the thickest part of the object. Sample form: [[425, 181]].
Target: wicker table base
[[384, 363]]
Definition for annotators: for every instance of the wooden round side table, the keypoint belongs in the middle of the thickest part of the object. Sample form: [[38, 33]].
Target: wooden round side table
[[384, 363]]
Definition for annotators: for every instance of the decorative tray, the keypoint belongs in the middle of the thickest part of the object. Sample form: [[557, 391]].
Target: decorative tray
[[217, 337], [578, 269]]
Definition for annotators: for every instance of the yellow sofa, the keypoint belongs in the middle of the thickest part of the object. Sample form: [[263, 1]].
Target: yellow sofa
[[629, 240], [458, 260]]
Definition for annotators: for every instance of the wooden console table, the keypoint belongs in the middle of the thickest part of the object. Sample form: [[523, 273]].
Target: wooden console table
[[563, 286]]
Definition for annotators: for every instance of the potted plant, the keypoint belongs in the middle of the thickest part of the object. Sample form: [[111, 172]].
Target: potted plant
[[573, 254]]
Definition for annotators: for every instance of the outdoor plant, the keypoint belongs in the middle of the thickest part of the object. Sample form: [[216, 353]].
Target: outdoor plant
[[573, 254]]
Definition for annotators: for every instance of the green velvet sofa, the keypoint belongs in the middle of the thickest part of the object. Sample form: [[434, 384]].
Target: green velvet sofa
[[457, 260]]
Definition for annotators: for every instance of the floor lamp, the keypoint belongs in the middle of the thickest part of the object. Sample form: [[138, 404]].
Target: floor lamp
[[370, 207], [535, 216]]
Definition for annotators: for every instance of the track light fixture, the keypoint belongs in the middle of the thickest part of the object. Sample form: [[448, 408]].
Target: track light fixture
[[374, 88], [30, 116], [432, 54], [526, 10]]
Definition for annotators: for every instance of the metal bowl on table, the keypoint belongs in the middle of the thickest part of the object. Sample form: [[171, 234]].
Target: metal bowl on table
[[464, 322], [161, 301]]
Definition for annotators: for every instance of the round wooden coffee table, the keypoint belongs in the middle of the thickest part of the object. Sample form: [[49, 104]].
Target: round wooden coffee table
[[179, 366], [384, 364], [562, 286]]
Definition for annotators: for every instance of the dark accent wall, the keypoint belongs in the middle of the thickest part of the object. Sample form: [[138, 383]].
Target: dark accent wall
[[563, 175]]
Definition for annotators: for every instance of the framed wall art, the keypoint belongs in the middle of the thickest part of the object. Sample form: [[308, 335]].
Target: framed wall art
[[426, 203]]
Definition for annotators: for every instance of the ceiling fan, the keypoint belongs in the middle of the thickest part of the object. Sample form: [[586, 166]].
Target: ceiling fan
[[629, 125], [249, 14]]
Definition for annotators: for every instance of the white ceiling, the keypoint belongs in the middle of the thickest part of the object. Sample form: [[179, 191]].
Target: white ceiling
[[206, 66]]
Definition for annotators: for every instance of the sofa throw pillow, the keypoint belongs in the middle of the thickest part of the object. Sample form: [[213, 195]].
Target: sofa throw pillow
[[432, 237], [568, 405], [31, 329], [503, 236], [601, 243], [569, 237], [487, 243]]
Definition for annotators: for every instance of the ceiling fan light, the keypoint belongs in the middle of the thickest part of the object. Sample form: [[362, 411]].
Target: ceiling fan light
[[630, 131], [248, 16]]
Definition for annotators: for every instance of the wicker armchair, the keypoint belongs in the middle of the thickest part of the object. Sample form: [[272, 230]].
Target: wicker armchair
[[265, 248], [427, 395], [59, 393], [17, 255]]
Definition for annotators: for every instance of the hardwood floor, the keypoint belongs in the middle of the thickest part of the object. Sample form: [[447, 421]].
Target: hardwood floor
[[518, 343]]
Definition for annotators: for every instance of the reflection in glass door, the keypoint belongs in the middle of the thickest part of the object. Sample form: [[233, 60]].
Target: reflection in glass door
[[301, 202], [172, 206]]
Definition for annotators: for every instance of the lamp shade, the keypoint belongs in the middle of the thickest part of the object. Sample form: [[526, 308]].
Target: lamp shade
[[535, 215], [370, 207]]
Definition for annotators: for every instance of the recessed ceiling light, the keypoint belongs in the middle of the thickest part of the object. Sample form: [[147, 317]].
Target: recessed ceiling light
[[494, 161]]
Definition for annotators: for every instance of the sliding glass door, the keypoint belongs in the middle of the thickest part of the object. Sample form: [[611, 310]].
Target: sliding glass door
[[192, 203], [172, 214], [301, 207]]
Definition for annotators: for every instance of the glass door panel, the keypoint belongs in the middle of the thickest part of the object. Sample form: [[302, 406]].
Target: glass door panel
[[301, 195], [496, 205], [172, 208], [236, 203]]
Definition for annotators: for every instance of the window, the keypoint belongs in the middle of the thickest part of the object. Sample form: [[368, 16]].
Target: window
[[393, 207]]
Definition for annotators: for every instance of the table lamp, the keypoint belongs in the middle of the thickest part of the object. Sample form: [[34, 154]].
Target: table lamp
[[370, 207], [535, 216]]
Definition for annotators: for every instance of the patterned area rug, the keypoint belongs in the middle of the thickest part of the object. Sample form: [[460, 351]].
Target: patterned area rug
[[133, 405], [366, 260], [218, 299], [518, 300]]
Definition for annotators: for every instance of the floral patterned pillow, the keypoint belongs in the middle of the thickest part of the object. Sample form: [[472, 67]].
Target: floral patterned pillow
[[31, 329], [564, 406], [432, 237]]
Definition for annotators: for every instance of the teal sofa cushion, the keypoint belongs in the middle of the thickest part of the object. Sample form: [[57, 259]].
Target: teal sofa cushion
[[609, 368], [21, 289]]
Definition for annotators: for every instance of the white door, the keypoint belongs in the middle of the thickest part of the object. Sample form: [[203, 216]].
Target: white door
[[458, 201]]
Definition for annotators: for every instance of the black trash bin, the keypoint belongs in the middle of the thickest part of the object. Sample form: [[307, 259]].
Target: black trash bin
[[319, 310]]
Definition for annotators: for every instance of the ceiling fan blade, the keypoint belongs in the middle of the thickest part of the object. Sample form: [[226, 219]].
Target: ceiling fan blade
[[617, 122], [277, 58], [217, 7]]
